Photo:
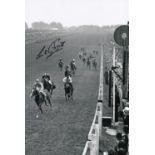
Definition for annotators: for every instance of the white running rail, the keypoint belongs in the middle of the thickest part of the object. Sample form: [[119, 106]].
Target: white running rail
[[92, 145]]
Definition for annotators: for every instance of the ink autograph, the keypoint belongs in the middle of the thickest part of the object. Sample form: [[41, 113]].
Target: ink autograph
[[54, 47]]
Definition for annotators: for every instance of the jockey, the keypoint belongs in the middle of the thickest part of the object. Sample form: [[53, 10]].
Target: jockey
[[47, 77], [67, 71], [60, 60], [39, 86], [73, 61], [68, 79]]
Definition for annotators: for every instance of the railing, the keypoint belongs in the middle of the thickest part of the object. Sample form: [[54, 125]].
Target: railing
[[92, 145]]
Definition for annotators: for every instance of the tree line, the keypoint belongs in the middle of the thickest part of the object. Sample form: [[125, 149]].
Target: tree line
[[58, 26], [45, 26]]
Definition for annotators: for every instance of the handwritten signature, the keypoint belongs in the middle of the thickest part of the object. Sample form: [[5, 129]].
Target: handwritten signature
[[54, 47]]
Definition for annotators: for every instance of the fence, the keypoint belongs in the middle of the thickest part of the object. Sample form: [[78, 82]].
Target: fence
[[92, 145]]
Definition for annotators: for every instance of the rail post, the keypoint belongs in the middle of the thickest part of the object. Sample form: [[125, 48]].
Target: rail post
[[100, 118], [113, 85]]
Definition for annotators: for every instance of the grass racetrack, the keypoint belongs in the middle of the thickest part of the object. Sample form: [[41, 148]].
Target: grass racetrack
[[62, 129]]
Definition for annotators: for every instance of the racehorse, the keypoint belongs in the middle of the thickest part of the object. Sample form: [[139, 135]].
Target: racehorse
[[68, 92], [73, 68], [84, 60], [48, 87], [88, 63], [60, 65], [95, 64], [39, 98], [80, 56]]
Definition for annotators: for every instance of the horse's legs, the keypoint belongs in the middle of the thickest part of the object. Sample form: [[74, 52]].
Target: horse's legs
[[40, 108], [48, 99], [66, 97], [46, 103], [73, 72]]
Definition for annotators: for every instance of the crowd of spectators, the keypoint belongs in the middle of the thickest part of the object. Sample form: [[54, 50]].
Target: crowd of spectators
[[122, 136]]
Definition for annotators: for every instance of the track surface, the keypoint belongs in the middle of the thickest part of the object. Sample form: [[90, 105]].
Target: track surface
[[62, 129]]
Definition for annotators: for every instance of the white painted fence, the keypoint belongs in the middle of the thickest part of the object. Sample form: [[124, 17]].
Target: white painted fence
[[92, 145]]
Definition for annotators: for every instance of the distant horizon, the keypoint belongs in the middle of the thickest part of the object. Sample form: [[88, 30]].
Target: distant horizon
[[30, 24], [77, 12]]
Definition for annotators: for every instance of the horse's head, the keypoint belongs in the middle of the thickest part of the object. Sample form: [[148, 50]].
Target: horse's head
[[53, 86]]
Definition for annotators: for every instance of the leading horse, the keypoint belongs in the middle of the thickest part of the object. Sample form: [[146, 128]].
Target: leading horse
[[39, 98], [95, 64]]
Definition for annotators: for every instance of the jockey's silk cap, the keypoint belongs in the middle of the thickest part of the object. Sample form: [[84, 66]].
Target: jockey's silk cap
[[37, 80]]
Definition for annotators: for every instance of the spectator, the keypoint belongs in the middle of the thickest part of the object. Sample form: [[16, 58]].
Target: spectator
[[126, 116], [121, 152], [126, 129], [121, 144], [119, 135], [121, 147], [111, 152], [125, 137]]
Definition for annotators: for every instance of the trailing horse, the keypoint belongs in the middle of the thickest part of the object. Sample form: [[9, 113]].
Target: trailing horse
[[73, 68], [95, 64], [80, 56], [60, 65], [89, 63], [68, 91], [84, 60]]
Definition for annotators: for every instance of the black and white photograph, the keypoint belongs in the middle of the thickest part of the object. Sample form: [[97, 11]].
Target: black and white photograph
[[77, 77]]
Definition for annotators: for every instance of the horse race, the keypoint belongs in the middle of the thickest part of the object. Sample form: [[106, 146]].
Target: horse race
[[72, 75]]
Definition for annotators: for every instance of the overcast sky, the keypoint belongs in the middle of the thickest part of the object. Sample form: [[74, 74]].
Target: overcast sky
[[77, 12]]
